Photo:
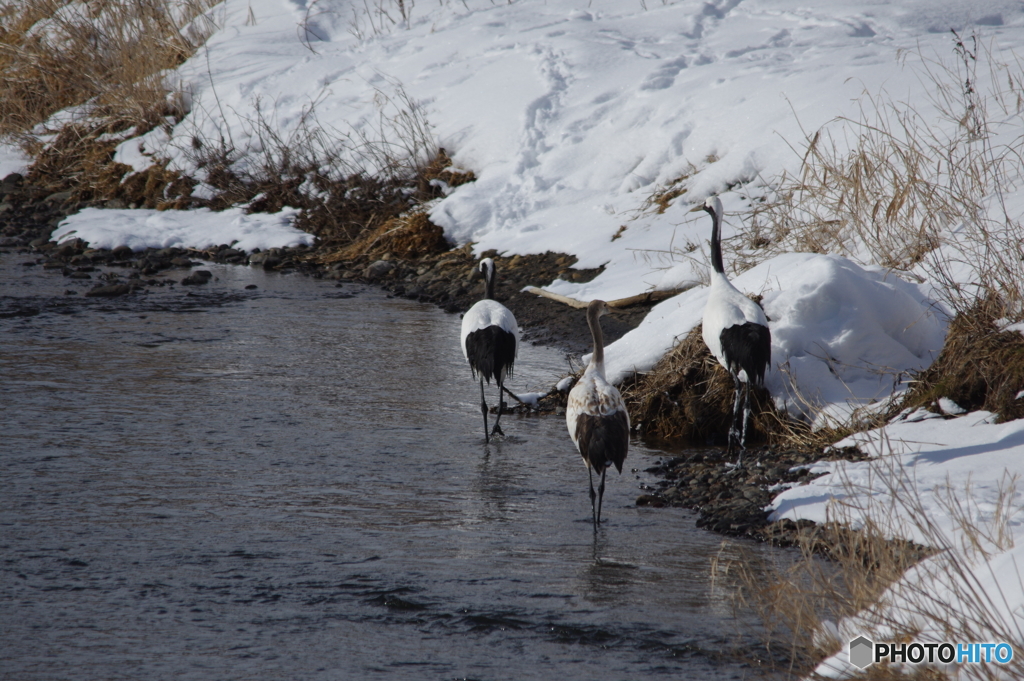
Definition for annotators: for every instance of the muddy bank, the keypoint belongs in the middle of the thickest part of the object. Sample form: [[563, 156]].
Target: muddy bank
[[729, 500]]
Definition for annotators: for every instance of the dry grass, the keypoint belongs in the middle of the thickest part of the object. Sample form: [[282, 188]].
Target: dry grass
[[891, 186], [689, 396], [357, 189], [980, 367], [108, 56], [104, 64], [838, 573], [351, 186], [408, 236], [847, 582]]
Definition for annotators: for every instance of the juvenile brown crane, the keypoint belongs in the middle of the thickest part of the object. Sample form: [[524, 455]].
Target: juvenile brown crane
[[596, 415]]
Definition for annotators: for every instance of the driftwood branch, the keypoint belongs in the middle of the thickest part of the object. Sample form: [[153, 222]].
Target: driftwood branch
[[640, 299], [516, 398]]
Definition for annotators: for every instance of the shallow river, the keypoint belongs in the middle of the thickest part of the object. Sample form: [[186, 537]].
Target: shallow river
[[291, 482]]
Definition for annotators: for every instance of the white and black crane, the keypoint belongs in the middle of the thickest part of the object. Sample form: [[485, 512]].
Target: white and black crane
[[735, 329], [596, 415], [490, 341]]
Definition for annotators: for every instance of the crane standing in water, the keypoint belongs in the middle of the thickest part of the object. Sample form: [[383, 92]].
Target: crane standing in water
[[596, 415], [490, 341]]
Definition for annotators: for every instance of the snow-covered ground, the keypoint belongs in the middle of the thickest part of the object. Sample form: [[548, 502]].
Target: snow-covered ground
[[572, 115], [145, 228], [12, 160]]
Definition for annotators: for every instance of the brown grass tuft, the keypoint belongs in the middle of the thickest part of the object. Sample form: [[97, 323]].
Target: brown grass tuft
[[688, 396], [408, 236], [109, 54], [980, 367]]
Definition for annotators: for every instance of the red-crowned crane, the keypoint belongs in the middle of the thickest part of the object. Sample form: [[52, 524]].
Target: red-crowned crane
[[736, 332], [596, 415], [490, 341]]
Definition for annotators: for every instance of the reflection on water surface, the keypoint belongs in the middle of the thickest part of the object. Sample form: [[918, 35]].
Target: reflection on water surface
[[291, 482]]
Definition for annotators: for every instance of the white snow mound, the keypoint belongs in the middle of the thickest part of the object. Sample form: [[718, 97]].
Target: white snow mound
[[841, 333], [144, 228]]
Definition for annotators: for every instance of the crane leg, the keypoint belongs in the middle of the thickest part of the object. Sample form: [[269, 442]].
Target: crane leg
[[734, 426], [600, 495], [593, 495], [483, 408], [501, 408], [746, 416]]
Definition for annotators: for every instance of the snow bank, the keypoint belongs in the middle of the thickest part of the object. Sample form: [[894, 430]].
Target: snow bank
[[12, 160], [570, 117], [923, 459], [841, 333], [143, 228]]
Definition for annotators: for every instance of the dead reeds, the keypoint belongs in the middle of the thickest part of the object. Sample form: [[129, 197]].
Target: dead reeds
[[858, 574], [102, 67], [108, 57], [688, 396], [906, 188]]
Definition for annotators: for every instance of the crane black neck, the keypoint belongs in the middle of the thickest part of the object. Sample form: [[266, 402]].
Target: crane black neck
[[594, 321], [716, 241]]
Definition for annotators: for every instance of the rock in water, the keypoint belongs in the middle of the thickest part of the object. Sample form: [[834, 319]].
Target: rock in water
[[109, 291], [196, 278]]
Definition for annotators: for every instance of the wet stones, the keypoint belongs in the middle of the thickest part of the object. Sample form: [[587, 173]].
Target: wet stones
[[378, 270], [122, 253], [729, 500], [197, 278], [110, 291], [70, 248]]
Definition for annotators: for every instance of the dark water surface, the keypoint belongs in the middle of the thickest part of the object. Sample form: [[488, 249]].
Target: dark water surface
[[291, 482]]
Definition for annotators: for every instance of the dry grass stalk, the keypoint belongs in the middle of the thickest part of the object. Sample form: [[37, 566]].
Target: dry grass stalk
[[108, 55], [980, 367], [663, 195], [890, 186]]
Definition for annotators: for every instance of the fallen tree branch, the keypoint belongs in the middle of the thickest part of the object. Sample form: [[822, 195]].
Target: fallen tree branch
[[639, 299], [525, 404]]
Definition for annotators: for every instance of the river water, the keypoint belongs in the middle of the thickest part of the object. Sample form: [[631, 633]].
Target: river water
[[290, 482]]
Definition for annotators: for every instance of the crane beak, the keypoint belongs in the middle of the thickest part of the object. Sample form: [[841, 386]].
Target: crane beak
[[697, 209]]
